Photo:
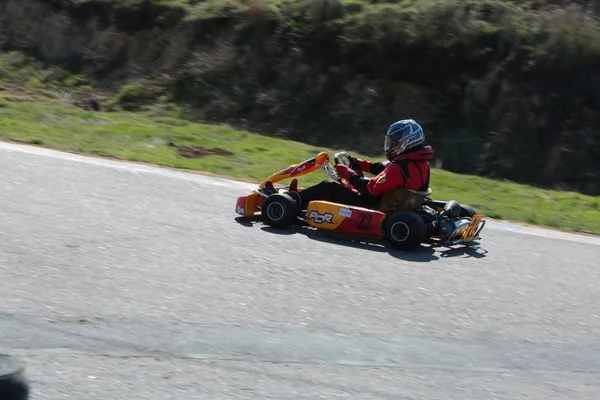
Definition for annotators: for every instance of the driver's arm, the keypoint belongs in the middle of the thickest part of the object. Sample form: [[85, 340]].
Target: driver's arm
[[374, 168], [386, 180], [377, 168], [360, 183]]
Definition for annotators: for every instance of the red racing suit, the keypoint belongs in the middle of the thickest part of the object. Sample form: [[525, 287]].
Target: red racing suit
[[410, 170]]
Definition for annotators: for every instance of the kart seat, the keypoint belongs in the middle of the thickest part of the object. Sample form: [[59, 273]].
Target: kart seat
[[402, 199]]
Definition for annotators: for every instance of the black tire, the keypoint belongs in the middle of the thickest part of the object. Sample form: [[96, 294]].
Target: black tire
[[405, 230], [467, 211], [14, 385], [279, 211]]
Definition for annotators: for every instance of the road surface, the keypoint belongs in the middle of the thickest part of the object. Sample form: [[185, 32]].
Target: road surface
[[124, 281]]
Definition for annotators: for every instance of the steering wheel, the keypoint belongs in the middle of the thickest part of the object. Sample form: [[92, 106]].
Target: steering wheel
[[343, 158]]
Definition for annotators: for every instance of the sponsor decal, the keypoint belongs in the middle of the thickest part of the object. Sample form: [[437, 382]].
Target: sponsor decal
[[381, 180], [301, 168], [365, 221], [320, 218], [240, 210], [344, 212]]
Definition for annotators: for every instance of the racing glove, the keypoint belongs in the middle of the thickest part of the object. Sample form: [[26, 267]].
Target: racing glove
[[355, 163], [344, 172], [355, 179]]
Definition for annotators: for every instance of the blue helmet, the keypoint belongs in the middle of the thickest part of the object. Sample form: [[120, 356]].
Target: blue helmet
[[402, 136]]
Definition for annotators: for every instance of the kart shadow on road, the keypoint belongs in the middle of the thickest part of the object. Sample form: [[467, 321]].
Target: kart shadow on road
[[250, 222], [464, 252], [422, 254], [247, 221], [425, 253]]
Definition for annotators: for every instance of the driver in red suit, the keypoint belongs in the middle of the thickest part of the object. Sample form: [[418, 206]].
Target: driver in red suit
[[408, 167]]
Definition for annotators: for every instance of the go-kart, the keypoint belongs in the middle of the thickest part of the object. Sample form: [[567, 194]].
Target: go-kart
[[420, 220]]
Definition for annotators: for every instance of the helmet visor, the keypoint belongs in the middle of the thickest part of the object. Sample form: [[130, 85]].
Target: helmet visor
[[387, 144]]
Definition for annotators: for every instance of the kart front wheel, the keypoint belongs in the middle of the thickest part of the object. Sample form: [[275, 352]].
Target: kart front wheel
[[405, 230], [279, 210]]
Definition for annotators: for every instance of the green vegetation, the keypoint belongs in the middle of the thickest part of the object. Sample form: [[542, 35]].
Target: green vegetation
[[25, 72], [158, 139]]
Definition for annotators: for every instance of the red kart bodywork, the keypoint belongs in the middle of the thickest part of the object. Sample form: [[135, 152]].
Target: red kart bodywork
[[342, 218]]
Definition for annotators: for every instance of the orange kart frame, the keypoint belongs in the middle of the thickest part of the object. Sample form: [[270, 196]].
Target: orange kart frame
[[403, 230], [252, 203]]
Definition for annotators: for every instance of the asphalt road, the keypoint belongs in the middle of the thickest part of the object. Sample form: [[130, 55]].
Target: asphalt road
[[122, 281]]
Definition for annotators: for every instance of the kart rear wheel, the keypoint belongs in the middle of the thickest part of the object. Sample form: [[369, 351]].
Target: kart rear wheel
[[279, 210], [405, 230]]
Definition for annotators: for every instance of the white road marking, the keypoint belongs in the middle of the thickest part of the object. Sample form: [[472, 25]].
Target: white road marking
[[131, 166], [217, 181]]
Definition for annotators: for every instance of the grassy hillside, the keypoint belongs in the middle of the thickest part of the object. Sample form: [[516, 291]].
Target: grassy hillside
[[505, 89]]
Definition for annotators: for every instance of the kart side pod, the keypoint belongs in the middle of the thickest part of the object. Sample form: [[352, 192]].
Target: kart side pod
[[337, 217]]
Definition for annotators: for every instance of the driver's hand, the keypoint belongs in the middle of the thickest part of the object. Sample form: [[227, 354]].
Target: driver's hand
[[344, 171], [354, 163]]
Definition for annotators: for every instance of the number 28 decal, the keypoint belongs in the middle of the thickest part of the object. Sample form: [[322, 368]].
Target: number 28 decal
[[365, 221]]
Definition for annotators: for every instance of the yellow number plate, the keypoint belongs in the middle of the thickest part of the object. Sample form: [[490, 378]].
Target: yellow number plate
[[469, 234]]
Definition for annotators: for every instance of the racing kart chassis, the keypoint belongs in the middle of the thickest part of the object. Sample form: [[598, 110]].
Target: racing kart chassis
[[427, 221]]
